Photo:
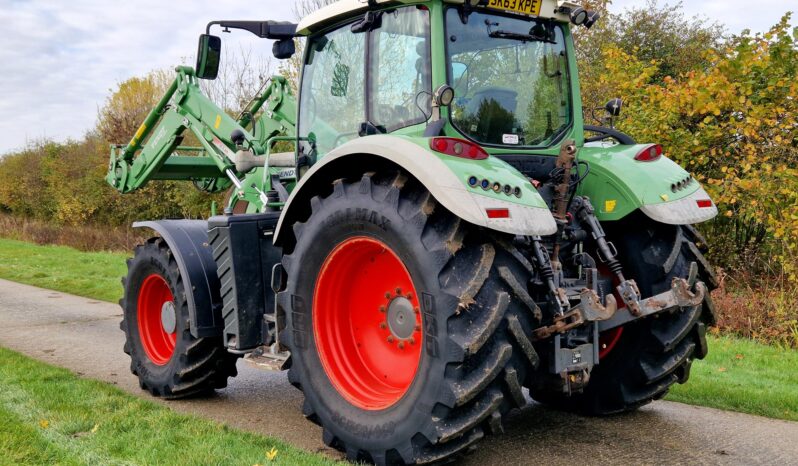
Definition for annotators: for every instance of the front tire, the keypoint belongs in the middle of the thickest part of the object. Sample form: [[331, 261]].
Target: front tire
[[379, 248], [167, 359]]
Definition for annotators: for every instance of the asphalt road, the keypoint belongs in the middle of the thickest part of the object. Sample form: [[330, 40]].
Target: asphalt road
[[83, 335]]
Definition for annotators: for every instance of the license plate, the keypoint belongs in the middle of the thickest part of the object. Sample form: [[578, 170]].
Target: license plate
[[525, 7]]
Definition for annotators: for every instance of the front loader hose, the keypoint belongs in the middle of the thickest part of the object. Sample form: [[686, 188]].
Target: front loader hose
[[606, 250]]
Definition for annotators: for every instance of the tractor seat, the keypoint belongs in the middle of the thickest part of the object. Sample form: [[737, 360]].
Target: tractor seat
[[282, 159]]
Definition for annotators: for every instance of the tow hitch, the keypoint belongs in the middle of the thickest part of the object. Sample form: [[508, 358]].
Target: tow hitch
[[681, 294]]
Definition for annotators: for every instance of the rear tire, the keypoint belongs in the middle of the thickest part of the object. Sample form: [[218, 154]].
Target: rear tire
[[648, 356], [475, 313], [169, 363]]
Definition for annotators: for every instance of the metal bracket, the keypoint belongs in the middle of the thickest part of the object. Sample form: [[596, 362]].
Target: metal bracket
[[630, 294], [589, 309], [680, 295], [269, 358]]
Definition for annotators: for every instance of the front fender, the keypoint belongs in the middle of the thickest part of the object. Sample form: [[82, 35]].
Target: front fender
[[446, 178], [617, 184], [188, 242]]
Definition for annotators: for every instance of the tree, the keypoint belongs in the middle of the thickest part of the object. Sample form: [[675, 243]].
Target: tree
[[734, 124], [650, 33]]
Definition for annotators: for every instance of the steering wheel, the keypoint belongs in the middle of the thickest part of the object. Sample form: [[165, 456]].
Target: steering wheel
[[604, 133], [344, 135]]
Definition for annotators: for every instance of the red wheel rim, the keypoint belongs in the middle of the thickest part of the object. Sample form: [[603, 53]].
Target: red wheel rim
[[155, 297], [608, 340], [366, 323]]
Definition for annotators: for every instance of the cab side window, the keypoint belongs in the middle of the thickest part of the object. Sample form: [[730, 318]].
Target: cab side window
[[399, 69], [332, 106]]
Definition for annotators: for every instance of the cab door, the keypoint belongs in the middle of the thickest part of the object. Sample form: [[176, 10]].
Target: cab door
[[371, 82]]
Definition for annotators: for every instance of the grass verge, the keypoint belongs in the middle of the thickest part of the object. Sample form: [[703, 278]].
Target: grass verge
[[744, 376], [738, 375], [93, 275], [50, 416]]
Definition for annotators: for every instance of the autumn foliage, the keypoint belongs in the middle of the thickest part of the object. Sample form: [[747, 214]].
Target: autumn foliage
[[734, 125]]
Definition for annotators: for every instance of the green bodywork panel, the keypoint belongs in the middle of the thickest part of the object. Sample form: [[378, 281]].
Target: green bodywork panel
[[492, 169], [618, 184]]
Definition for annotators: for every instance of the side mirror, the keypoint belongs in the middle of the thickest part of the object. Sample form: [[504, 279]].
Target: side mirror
[[208, 54], [613, 107], [284, 49]]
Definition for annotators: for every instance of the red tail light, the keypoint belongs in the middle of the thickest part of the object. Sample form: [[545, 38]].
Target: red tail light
[[458, 148], [498, 213], [649, 153], [703, 203]]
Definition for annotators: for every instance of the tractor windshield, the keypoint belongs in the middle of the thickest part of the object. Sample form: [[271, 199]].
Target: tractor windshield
[[510, 77]]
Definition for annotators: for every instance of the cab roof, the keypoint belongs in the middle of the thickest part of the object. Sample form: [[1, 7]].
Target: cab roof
[[344, 9]]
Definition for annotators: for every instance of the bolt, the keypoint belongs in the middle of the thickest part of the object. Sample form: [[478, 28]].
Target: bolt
[[418, 328], [382, 309], [387, 295], [390, 339], [398, 291], [412, 341], [409, 296], [383, 325], [416, 310], [401, 345]]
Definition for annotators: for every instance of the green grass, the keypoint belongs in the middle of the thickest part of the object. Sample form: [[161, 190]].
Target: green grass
[[762, 380], [93, 275], [50, 416], [745, 376]]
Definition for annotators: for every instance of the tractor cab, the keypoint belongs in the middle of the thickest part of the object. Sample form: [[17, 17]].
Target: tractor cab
[[373, 73]]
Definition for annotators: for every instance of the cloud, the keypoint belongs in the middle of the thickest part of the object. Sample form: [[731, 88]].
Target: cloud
[[62, 58]]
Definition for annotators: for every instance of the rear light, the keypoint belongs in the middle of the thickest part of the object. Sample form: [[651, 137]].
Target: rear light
[[649, 153], [498, 213], [458, 148], [703, 203]]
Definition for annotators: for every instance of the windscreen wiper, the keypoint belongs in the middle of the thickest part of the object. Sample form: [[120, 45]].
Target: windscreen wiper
[[501, 34]]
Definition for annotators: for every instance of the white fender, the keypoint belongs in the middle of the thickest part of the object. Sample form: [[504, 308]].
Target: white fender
[[442, 183]]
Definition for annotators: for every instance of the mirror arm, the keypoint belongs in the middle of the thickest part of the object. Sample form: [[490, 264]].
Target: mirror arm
[[263, 29]]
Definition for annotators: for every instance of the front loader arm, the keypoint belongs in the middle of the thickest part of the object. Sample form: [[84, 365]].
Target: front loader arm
[[155, 151]]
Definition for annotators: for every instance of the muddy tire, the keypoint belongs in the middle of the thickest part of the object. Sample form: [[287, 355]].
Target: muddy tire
[[167, 359], [639, 363], [374, 253]]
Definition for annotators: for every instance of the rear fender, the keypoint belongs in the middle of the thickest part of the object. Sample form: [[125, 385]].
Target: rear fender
[[446, 177], [188, 241], [617, 184]]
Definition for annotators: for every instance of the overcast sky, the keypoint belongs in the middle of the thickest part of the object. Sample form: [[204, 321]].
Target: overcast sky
[[60, 58]]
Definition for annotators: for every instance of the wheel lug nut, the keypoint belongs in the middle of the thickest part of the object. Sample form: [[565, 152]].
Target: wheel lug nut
[[409, 296], [418, 328], [398, 291], [401, 345], [383, 325], [387, 295], [382, 309], [390, 339], [416, 310], [412, 341]]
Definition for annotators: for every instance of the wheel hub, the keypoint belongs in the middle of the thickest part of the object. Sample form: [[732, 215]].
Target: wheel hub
[[367, 323], [157, 319], [401, 318], [168, 317]]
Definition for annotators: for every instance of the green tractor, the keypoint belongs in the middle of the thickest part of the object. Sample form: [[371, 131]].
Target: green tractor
[[445, 233]]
